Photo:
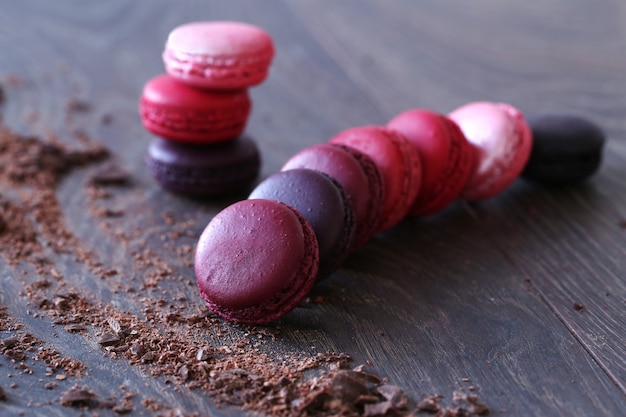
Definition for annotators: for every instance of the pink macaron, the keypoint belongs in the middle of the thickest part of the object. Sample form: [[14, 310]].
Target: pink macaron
[[398, 162], [447, 157], [218, 55], [502, 141], [176, 111]]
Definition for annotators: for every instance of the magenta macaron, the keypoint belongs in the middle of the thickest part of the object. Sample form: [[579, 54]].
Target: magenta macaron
[[447, 158], [256, 261], [398, 163], [502, 140], [218, 55], [176, 111]]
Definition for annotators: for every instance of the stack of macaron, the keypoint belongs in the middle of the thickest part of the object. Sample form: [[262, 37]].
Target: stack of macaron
[[258, 258], [199, 108]]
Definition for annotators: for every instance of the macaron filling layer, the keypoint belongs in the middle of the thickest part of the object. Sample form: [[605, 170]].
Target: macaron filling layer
[[253, 67]]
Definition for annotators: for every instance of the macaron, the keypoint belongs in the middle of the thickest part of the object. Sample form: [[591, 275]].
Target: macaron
[[176, 111], [218, 55], [325, 205], [357, 174], [204, 170], [447, 158], [398, 162], [256, 261], [567, 149], [502, 141]]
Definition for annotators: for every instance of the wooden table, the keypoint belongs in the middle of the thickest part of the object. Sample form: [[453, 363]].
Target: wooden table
[[520, 300]]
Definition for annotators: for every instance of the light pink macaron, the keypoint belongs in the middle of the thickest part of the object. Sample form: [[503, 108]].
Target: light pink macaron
[[218, 55], [502, 140]]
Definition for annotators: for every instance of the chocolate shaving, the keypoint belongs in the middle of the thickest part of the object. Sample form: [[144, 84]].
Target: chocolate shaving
[[110, 173], [429, 404], [9, 342], [108, 339], [76, 105]]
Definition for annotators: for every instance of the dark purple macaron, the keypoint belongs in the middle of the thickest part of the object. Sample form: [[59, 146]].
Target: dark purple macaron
[[357, 174], [566, 149], [325, 205], [204, 170]]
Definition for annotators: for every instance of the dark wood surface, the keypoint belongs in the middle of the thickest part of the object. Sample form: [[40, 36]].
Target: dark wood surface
[[480, 295]]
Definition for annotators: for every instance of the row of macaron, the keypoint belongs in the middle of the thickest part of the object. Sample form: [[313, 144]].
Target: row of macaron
[[258, 258], [199, 108]]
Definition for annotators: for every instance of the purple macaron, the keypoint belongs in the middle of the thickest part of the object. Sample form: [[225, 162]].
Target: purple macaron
[[204, 170], [325, 205], [357, 174]]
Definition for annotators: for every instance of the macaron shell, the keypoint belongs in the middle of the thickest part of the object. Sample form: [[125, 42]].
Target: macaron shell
[[445, 155], [204, 170], [502, 140], [256, 261], [219, 55], [176, 111], [356, 173], [398, 163], [325, 205]]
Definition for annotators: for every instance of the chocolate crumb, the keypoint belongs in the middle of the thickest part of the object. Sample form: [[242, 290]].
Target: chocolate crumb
[[110, 173], [78, 396], [76, 105], [108, 339], [429, 404], [106, 119], [3, 395], [469, 404], [9, 342], [579, 307]]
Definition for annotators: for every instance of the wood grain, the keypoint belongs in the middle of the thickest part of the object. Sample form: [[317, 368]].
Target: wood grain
[[480, 295]]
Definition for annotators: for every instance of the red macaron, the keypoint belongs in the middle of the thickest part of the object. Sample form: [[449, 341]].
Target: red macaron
[[256, 261], [398, 162], [176, 111], [447, 158]]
